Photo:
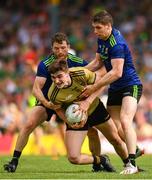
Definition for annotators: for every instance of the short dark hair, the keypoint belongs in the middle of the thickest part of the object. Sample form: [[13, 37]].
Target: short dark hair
[[58, 65], [102, 17], [59, 37]]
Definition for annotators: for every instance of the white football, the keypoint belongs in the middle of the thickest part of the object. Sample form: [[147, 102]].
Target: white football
[[72, 115]]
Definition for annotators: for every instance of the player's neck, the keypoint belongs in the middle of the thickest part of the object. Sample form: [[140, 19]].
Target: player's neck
[[108, 34], [70, 81]]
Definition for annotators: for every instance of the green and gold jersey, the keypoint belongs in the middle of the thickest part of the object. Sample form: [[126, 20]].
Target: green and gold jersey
[[80, 77]]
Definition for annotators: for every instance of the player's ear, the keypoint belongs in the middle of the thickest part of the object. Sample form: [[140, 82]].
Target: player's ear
[[108, 25]]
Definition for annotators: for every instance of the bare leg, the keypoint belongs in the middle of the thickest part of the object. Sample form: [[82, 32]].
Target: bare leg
[[74, 140], [62, 127], [95, 148], [128, 110], [110, 131], [94, 141], [36, 117], [114, 112]]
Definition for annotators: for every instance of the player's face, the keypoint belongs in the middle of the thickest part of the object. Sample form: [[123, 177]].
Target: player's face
[[61, 79], [102, 31], [60, 50]]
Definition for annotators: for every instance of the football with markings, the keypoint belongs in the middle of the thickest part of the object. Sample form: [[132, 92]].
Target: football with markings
[[74, 114]]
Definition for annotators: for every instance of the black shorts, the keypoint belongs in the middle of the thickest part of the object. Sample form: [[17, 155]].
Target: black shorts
[[49, 112], [99, 116], [115, 97]]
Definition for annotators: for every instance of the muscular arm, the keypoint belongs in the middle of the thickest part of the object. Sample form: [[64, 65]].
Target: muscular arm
[[95, 64], [37, 92], [114, 74], [61, 113], [98, 92], [109, 77], [85, 104]]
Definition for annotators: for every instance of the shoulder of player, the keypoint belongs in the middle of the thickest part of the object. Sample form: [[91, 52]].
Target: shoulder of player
[[48, 60], [53, 91], [77, 71], [74, 58], [116, 38]]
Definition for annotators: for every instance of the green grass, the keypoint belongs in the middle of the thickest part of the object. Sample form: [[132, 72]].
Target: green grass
[[43, 167]]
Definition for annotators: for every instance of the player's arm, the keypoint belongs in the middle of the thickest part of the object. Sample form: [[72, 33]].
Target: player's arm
[[41, 77], [61, 113], [95, 64], [92, 77], [101, 72], [37, 92], [85, 104], [114, 74], [99, 91]]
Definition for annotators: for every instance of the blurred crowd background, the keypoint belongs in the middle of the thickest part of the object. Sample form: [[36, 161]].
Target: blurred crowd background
[[26, 28]]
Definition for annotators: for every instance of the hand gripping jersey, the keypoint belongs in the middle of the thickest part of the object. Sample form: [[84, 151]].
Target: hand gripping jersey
[[116, 47], [42, 71], [80, 77]]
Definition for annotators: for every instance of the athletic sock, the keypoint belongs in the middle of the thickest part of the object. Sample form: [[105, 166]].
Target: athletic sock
[[139, 152], [16, 154], [132, 159], [137, 148], [125, 161]]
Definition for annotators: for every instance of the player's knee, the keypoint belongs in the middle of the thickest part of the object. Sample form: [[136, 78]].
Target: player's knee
[[74, 159], [126, 121], [125, 124], [29, 127]]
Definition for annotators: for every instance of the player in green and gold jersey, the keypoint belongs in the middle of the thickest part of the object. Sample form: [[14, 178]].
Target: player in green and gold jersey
[[68, 84]]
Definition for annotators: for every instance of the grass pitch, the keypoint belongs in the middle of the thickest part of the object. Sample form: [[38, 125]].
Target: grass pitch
[[44, 167]]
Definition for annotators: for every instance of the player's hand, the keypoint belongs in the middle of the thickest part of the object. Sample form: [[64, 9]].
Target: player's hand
[[81, 123], [83, 105], [50, 105], [88, 90], [77, 125]]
